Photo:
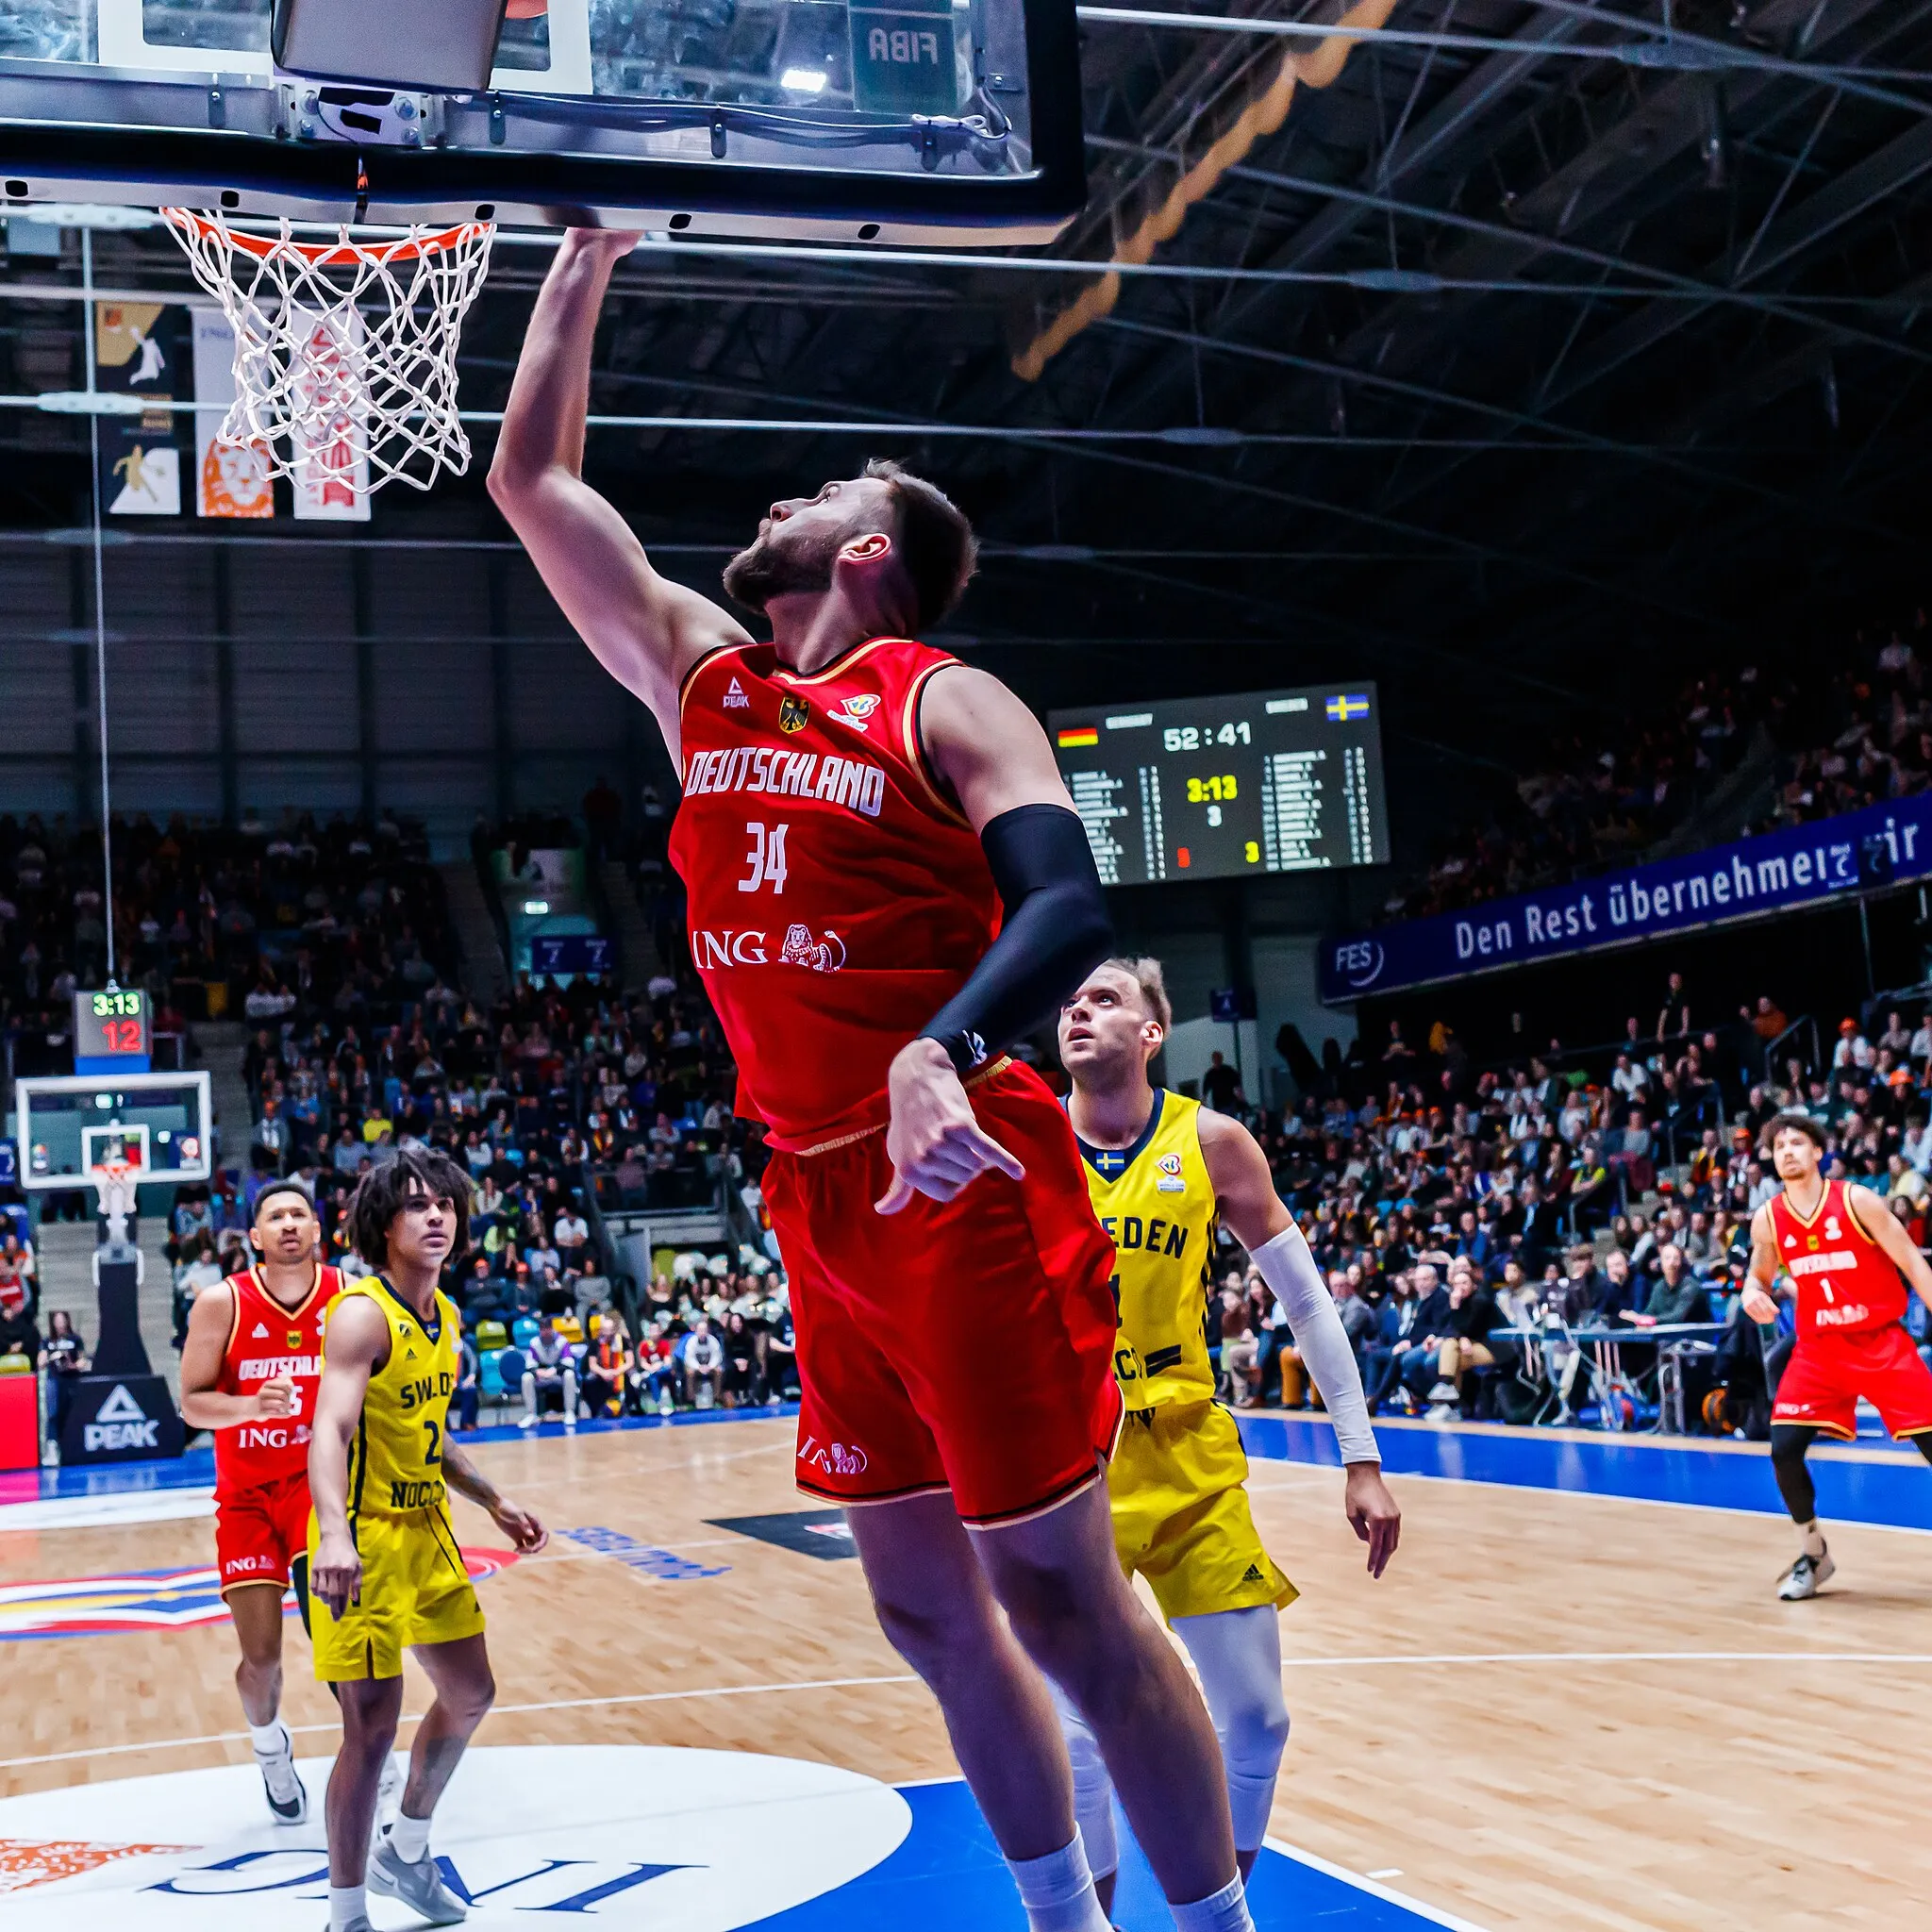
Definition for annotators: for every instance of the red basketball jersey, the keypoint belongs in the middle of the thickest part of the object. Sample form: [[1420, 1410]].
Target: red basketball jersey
[[1846, 1283], [267, 1339], [837, 899]]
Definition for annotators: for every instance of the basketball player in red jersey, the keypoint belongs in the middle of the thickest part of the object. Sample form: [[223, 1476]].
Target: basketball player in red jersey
[[249, 1371], [887, 884], [1849, 1261]]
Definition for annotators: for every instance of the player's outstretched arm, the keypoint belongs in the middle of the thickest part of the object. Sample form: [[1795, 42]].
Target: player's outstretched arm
[[1884, 1227], [646, 631], [466, 1479], [357, 1345], [203, 1405], [1245, 1198]]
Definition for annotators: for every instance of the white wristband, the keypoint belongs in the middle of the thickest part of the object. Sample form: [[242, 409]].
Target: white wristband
[[1288, 1268]]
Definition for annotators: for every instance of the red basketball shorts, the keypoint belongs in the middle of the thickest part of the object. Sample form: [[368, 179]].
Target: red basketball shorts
[[259, 1531], [964, 1345], [1827, 1373]]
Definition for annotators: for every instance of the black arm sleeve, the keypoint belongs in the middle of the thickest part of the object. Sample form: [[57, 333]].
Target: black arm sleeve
[[1056, 928]]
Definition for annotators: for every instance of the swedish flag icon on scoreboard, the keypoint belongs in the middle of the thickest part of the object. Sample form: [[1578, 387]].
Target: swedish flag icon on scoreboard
[[1345, 709]]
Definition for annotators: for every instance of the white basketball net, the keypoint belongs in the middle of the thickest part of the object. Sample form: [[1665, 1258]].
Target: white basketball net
[[345, 351], [114, 1184]]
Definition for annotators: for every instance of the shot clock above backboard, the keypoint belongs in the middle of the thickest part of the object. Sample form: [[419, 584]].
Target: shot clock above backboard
[[112, 1031], [1221, 787]]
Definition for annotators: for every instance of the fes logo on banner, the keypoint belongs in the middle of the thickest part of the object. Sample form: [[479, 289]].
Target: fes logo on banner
[[231, 480]]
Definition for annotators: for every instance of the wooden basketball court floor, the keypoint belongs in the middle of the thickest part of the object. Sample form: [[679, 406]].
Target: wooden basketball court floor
[[1560, 1708]]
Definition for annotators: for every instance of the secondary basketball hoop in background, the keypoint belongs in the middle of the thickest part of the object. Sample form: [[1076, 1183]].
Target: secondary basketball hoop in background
[[345, 351], [115, 1181]]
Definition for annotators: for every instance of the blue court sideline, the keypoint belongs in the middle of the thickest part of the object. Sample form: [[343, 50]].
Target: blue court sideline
[[1889, 1487]]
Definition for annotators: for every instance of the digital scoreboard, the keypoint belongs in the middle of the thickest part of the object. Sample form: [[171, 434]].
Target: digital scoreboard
[[1216, 788], [110, 1030]]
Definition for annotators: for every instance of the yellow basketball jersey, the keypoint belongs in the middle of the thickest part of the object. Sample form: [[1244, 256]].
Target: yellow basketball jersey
[[395, 1462], [1155, 1202]]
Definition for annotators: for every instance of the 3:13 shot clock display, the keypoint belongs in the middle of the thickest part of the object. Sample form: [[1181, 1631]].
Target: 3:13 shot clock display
[[1216, 788]]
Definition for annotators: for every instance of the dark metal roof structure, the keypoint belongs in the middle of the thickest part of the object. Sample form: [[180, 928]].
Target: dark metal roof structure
[[1572, 343]]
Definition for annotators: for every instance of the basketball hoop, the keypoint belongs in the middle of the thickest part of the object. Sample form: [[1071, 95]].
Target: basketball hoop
[[114, 1182], [345, 351]]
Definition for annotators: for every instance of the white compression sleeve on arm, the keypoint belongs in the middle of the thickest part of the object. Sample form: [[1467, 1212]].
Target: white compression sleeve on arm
[[1314, 1321]]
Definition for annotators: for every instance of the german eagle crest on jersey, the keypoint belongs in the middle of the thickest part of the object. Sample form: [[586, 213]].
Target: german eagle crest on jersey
[[794, 715]]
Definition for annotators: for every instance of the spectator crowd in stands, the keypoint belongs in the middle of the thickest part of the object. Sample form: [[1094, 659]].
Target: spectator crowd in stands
[[1851, 729], [1447, 1205]]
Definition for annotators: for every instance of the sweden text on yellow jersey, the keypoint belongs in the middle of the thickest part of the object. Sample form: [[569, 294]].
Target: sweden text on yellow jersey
[[1156, 1202], [395, 1462]]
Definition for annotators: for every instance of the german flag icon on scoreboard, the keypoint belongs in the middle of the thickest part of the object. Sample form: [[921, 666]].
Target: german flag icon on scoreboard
[[1075, 736]]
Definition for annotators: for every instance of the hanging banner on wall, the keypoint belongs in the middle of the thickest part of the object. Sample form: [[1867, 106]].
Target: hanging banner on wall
[[140, 349], [229, 480], [332, 455], [1799, 865], [143, 476]]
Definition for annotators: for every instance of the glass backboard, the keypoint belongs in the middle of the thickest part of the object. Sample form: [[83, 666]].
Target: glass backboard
[[901, 120], [159, 1123]]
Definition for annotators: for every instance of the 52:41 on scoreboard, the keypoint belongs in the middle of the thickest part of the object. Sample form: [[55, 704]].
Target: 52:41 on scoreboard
[[1218, 787]]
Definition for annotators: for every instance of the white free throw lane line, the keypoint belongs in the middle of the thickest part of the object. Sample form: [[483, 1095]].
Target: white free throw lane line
[[1916, 1659]]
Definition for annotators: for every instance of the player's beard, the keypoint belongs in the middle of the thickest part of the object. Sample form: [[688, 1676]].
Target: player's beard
[[768, 570]]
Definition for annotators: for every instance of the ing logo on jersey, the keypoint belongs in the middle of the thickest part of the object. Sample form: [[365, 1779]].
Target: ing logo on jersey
[[833, 1458], [801, 949], [795, 714], [856, 711]]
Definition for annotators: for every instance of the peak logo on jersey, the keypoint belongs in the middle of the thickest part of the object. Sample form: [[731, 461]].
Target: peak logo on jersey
[[1791, 1240], [735, 699], [801, 949], [795, 714], [856, 711], [261, 1333]]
